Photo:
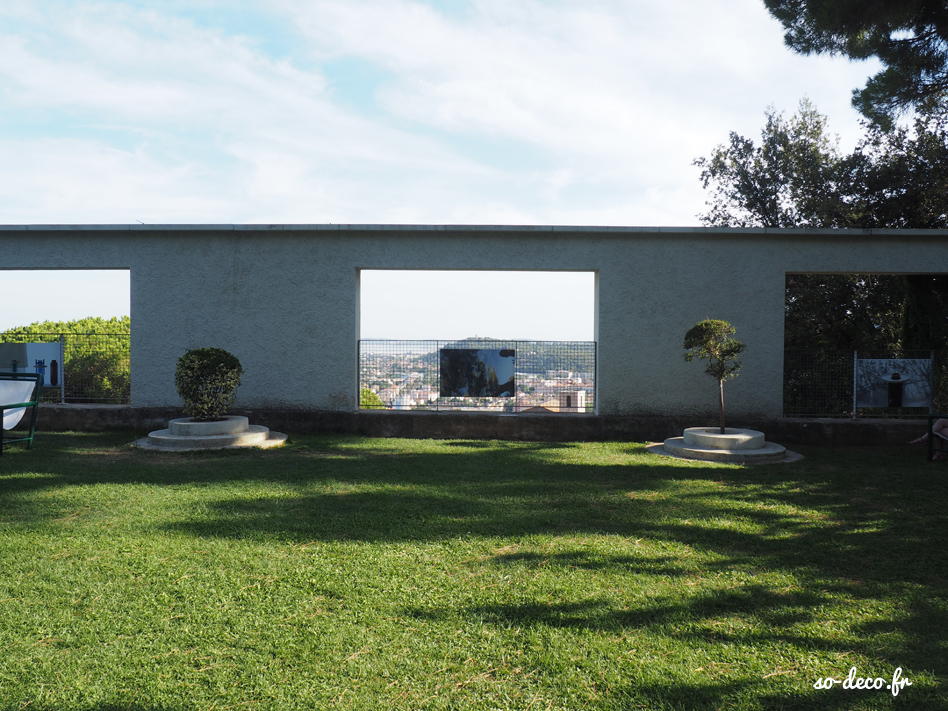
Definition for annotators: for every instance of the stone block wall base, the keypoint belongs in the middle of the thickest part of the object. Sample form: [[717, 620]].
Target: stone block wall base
[[818, 432]]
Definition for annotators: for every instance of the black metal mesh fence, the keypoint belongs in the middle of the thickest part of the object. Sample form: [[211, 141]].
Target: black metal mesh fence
[[820, 383], [96, 366], [817, 383], [549, 376]]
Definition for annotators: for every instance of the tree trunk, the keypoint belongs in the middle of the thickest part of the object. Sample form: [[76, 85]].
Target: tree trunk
[[721, 403]]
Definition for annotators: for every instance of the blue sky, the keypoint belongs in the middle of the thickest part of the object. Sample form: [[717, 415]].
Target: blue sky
[[584, 112]]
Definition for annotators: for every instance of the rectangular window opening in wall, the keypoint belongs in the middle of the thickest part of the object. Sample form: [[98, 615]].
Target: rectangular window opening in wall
[[865, 345], [73, 327], [482, 341]]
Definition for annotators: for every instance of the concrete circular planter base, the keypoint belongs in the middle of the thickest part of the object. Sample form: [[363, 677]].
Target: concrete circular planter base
[[233, 431], [735, 446]]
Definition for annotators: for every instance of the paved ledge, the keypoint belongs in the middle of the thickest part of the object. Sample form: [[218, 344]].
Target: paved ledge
[[443, 425]]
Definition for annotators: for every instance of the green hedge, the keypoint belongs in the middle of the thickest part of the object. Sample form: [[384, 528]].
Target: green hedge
[[95, 355]]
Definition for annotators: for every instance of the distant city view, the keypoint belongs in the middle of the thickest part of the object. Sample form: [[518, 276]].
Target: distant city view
[[549, 376]]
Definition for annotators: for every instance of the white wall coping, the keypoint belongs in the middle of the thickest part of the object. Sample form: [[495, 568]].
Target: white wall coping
[[573, 229]]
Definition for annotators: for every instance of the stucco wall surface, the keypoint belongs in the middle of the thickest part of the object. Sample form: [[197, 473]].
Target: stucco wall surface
[[263, 292]]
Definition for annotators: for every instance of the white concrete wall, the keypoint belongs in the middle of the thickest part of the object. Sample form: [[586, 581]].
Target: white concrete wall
[[262, 292]]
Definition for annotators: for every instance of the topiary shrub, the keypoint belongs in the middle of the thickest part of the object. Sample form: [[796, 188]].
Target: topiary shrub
[[207, 380]]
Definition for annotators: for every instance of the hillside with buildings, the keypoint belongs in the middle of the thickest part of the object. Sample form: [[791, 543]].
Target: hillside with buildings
[[550, 376]]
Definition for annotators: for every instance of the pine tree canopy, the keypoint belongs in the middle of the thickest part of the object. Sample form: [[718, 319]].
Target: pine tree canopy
[[909, 37]]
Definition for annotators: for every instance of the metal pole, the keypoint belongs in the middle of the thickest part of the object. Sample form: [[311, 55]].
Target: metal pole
[[62, 369], [931, 384], [596, 370], [855, 373], [517, 384]]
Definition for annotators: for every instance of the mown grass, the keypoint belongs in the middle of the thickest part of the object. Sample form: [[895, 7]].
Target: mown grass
[[349, 573]]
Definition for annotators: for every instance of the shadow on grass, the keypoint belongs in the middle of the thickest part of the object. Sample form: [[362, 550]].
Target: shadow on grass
[[871, 525], [670, 696], [759, 696], [120, 706], [693, 621], [860, 515], [495, 444], [773, 608], [582, 560]]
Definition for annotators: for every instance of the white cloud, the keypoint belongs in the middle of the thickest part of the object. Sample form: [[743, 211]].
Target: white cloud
[[222, 134], [616, 94], [544, 112], [68, 180], [582, 112]]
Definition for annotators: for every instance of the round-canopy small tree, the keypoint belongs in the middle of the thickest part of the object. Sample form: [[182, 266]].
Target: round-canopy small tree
[[712, 340], [369, 400], [207, 380]]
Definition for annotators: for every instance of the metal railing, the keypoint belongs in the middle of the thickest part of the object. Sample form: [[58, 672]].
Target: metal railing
[[96, 366], [549, 376], [823, 383]]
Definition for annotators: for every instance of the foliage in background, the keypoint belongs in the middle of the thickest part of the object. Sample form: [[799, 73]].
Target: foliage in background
[[207, 380], [786, 181], [117, 325], [368, 400], [834, 311], [797, 176], [712, 340], [96, 355], [897, 177], [909, 38]]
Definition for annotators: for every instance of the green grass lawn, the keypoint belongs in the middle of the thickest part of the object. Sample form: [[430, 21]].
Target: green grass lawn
[[348, 573]]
